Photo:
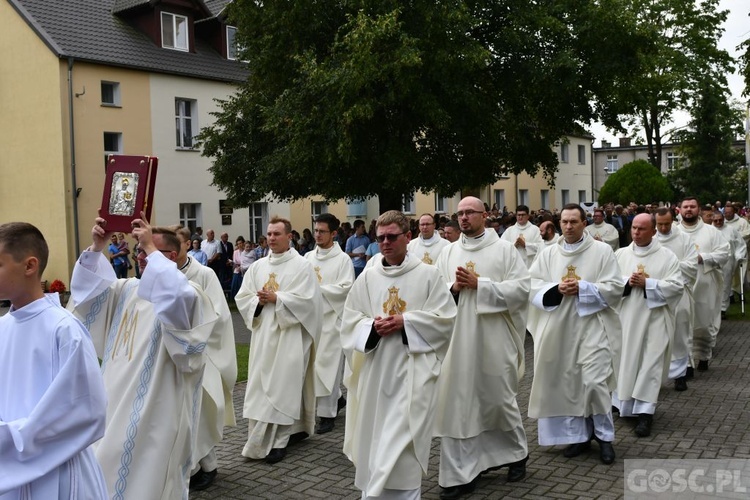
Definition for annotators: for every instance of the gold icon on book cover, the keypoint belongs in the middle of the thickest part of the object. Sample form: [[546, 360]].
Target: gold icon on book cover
[[394, 305], [122, 195]]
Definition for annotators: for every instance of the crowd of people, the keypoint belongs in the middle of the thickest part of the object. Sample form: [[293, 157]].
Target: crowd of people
[[423, 321]]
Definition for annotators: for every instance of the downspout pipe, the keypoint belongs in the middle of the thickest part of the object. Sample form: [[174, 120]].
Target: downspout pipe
[[71, 129]]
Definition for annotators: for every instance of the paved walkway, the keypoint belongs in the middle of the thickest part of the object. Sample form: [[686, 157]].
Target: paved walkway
[[711, 419]]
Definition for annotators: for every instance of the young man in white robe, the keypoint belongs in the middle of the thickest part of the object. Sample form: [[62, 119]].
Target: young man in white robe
[[713, 254], [603, 231], [737, 257], [335, 273], [52, 401], [395, 332], [679, 243], [742, 226], [524, 236], [653, 289], [428, 245], [220, 375], [576, 287], [150, 334], [478, 418], [281, 304]]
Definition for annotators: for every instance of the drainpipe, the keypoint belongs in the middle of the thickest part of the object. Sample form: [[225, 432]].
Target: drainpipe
[[72, 138]]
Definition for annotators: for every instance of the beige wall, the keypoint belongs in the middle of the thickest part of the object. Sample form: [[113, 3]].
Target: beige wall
[[33, 158]]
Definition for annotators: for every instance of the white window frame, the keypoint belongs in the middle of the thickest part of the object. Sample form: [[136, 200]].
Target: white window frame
[[581, 154], [565, 196], [441, 203], [581, 196], [258, 215], [564, 153], [544, 195], [172, 23], [115, 86], [407, 204], [523, 197], [612, 163], [182, 120], [118, 151], [318, 208], [188, 220], [499, 197], [672, 160], [232, 44]]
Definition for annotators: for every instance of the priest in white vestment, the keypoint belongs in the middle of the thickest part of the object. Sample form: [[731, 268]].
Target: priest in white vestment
[[575, 289], [335, 273], [428, 245], [713, 254], [603, 231], [52, 401], [281, 304], [395, 332], [548, 233], [524, 236], [742, 226], [737, 257], [150, 334], [220, 375], [671, 237], [653, 289], [478, 418]]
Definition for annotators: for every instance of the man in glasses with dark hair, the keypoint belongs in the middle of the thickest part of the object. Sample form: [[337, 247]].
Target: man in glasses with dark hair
[[524, 235], [395, 332]]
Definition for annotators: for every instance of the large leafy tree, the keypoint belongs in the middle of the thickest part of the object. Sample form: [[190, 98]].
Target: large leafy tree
[[354, 98], [636, 181], [684, 37], [710, 164]]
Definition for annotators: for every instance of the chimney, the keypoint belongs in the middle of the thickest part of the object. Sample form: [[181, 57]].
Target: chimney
[[624, 142], [606, 144]]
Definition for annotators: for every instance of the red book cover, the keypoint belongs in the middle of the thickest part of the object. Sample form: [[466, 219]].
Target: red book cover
[[128, 190]]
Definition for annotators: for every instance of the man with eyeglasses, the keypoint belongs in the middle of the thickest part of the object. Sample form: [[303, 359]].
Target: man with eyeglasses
[[428, 245], [576, 287], [395, 332], [281, 304], [524, 235], [150, 335], [478, 418], [335, 274]]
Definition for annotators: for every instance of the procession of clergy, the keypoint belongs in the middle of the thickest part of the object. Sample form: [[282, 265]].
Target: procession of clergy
[[428, 340]]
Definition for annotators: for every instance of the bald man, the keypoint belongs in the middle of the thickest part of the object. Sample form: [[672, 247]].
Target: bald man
[[548, 233], [653, 289]]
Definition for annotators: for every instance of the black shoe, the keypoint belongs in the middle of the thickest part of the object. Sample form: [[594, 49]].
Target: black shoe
[[723, 315], [680, 384], [275, 455], [202, 479], [341, 404], [325, 425], [517, 470], [643, 428], [703, 365], [576, 449], [297, 437], [690, 373], [458, 491], [606, 452], [615, 409]]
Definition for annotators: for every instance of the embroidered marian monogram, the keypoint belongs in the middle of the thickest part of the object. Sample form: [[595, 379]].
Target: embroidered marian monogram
[[126, 334], [642, 270], [271, 285], [470, 267], [393, 305], [426, 259], [571, 274], [317, 273]]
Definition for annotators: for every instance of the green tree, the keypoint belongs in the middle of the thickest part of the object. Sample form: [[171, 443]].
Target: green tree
[[349, 99], [709, 161], [684, 49], [636, 181]]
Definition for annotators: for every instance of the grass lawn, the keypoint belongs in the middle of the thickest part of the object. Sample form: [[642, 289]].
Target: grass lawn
[[242, 354]]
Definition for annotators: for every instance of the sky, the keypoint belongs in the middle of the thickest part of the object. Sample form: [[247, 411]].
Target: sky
[[736, 29]]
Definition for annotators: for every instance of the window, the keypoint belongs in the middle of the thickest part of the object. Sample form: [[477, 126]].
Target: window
[[407, 203], [232, 47], [258, 213], [110, 94], [356, 208], [174, 31], [184, 122], [582, 196], [673, 159], [544, 193], [500, 199], [565, 193], [523, 197], [581, 154], [318, 207], [564, 153], [611, 163], [112, 144], [190, 215], [441, 203]]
